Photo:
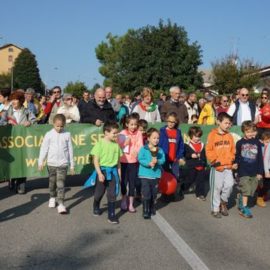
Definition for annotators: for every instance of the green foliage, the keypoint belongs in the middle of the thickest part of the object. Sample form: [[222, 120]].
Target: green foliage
[[76, 88], [26, 72], [153, 56], [95, 87], [228, 76], [5, 80]]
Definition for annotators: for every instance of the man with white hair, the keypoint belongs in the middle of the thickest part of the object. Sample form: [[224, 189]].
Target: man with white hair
[[99, 110], [243, 109], [173, 105], [109, 96]]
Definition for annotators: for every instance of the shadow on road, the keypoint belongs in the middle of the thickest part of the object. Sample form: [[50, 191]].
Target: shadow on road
[[79, 252], [24, 209]]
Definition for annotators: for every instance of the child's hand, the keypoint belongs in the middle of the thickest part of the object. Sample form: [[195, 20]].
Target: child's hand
[[101, 178], [235, 166], [154, 160], [267, 175], [194, 155], [134, 154], [181, 162], [152, 164], [27, 124], [259, 176], [40, 167], [72, 171]]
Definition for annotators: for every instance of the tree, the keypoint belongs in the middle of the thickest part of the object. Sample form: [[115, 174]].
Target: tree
[[95, 87], [26, 72], [5, 80], [76, 88], [154, 56], [231, 73]]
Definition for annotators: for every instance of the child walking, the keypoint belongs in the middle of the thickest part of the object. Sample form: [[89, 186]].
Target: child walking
[[196, 161], [143, 126], [106, 158], [151, 157], [130, 140], [250, 165], [172, 144], [220, 151], [57, 148], [264, 187]]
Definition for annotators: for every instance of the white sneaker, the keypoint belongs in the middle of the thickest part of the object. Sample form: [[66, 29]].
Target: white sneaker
[[61, 209], [52, 203]]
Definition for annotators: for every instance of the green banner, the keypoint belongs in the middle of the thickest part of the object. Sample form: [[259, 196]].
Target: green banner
[[19, 147]]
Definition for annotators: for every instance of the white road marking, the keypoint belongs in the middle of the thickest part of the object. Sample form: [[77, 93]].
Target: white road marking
[[181, 246]]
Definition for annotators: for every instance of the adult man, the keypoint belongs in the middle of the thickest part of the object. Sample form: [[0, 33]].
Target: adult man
[[192, 106], [173, 105], [242, 109], [82, 106], [99, 110], [32, 104], [161, 101], [123, 111], [114, 103], [29, 101]]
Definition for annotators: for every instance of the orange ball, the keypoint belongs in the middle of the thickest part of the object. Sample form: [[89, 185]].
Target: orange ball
[[167, 184]]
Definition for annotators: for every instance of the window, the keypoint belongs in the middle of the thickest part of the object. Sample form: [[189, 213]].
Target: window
[[10, 49], [10, 58]]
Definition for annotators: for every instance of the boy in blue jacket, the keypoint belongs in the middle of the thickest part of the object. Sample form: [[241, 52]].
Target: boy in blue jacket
[[249, 159], [150, 158]]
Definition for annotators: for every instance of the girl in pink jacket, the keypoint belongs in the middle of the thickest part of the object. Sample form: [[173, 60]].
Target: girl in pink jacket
[[130, 140]]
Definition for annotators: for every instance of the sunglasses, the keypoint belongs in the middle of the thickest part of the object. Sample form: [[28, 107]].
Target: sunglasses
[[244, 95]]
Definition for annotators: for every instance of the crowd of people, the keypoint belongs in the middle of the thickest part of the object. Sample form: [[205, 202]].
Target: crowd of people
[[131, 158]]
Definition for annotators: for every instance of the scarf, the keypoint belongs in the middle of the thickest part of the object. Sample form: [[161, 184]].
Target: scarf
[[151, 108]]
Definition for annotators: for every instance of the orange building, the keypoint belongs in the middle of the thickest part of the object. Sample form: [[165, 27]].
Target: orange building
[[8, 54]]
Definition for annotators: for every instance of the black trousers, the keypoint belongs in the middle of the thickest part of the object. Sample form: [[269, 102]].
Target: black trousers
[[198, 178], [108, 186], [149, 188], [129, 174]]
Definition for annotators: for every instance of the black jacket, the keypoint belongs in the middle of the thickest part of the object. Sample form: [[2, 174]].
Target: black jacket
[[90, 112], [194, 162], [249, 157]]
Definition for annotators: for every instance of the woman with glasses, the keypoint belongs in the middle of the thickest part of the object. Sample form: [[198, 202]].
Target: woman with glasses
[[263, 118], [69, 110], [54, 103], [224, 105]]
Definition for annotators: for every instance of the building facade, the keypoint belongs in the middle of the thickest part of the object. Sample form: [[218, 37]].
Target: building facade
[[8, 54]]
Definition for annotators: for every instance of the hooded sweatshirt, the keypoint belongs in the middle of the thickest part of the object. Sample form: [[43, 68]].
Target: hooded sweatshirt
[[220, 148]]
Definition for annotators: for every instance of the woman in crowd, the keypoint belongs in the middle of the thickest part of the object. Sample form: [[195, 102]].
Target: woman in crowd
[[17, 114], [263, 118], [147, 109], [70, 111]]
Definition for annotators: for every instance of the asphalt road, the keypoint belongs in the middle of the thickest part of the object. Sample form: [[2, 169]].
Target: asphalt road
[[36, 237]]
